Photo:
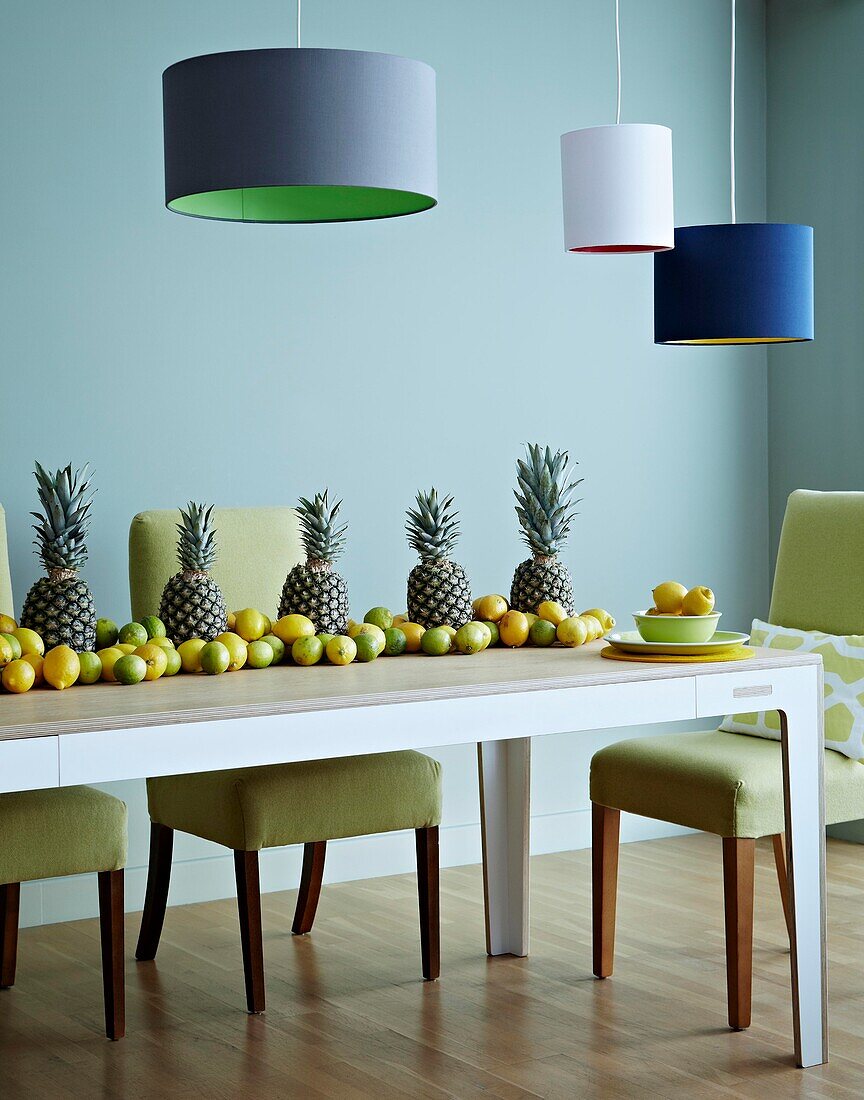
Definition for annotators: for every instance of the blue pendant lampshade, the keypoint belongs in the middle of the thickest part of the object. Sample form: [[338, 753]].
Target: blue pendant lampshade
[[735, 284]]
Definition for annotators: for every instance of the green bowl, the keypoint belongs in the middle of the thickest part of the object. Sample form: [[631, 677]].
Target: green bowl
[[677, 628]]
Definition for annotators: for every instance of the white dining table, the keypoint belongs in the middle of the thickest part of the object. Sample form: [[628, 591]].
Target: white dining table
[[499, 699]]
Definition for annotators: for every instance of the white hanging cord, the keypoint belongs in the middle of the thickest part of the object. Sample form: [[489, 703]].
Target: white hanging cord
[[732, 122], [298, 24], [618, 57]]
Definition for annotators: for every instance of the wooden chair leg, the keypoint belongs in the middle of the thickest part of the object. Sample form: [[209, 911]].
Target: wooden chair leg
[[251, 938], [778, 842], [310, 887], [739, 862], [428, 893], [111, 930], [10, 894], [605, 831], [156, 897]]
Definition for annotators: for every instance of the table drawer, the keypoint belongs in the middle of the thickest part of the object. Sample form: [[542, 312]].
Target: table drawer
[[29, 764], [750, 690]]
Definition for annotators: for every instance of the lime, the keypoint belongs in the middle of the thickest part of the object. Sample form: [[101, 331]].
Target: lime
[[236, 647], [106, 633], [130, 669], [379, 616], [29, 641], [436, 642], [251, 624], [190, 654], [173, 662], [155, 658], [18, 676], [371, 631], [493, 631], [214, 658], [14, 645], [341, 650], [154, 626], [395, 642], [133, 634], [163, 643], [259, 654], [125, 647], [307, 651], [451, 630], [277, 645], [367, 647], [324, 638], [472, 637], [91, 667], [543, 632]]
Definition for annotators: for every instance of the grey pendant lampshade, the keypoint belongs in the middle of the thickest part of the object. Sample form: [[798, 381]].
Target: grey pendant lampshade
[[299, 135]]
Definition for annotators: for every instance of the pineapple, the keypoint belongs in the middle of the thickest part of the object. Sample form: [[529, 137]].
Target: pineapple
[[545, 509], [60, 606], [192, 603], [315, 589], [439, 593]]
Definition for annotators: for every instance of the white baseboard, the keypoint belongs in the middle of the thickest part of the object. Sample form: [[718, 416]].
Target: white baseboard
[[208, 879]]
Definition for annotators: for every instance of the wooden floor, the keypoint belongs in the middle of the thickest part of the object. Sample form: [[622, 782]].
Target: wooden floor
[[348, 1016]]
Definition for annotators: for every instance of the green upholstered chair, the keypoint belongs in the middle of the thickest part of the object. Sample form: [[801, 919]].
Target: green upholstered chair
[[305, 803], [731, 784], [65, 831]]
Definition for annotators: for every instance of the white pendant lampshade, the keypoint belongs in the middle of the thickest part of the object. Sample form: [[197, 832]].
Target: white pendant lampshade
[[617, 187]]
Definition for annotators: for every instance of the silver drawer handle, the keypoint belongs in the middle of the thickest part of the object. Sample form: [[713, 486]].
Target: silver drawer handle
[[752, 692]]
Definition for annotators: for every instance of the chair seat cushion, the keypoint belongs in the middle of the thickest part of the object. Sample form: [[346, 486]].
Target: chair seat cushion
[[252, 808], [65, 831], [722, 783]]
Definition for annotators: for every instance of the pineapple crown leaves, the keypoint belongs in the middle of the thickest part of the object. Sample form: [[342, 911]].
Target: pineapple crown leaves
[[323, 538], [62, 525], [432, 527], [545, 504], [196, 544]]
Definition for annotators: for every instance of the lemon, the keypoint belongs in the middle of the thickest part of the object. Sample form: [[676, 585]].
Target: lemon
[[5, 651], [369, 630], [236, 648], [91, 667], [214, 658], [18, 676], [173, 662], [451, 630], [106, 633], [603, 617], [395, 642], [308, 650], [379, 616], [7, 624], [250, 624], [543, 632], [130, 669], [109, 657], [13, 644], [573, 631], [259, 654], [413, 634], [513, 628], [552, 612], [36, 661], [436, 642], [231, 620], [341, 650], [595, 627], [698, 601], [531, 617], [165, 643], [133, 634], [61, 667], [29, 641], [277, 645], [190, 654], [668, 597], [490, 608], [493, 632], [398, 620], [154, 657], [154, 626], [125, 647], [473, 637], [291, 627]]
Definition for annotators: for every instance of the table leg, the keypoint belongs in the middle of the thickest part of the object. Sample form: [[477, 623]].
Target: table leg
[[505, 771], [801, 724]]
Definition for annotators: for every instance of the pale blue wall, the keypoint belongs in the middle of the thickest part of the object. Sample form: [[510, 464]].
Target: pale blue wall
[[247, 364]]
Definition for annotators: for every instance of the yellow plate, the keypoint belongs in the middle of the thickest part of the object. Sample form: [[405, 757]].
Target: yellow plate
[[740, 654]]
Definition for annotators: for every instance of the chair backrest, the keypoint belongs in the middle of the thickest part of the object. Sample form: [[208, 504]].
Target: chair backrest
[[819, 578], [6, 605], [257, 547]]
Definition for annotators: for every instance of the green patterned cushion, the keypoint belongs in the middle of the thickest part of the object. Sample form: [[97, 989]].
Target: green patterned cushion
[[843, 659]]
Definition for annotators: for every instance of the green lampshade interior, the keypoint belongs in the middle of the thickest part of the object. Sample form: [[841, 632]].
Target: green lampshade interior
[[301, 204]]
